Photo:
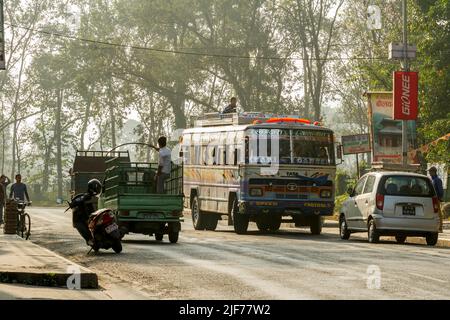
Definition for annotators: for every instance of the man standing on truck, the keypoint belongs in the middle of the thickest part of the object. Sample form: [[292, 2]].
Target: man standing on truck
[[164, 164], [232, 107]]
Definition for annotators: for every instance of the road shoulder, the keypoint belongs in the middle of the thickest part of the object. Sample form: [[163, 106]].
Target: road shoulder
[[23, 262]]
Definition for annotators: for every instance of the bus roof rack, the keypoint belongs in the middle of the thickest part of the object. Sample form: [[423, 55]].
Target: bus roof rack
[[226, 119]]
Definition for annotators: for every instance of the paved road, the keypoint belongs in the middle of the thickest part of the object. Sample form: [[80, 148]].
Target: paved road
[[291, 264]]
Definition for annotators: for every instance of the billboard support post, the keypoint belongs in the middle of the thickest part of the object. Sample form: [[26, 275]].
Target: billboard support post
[[406, 69]]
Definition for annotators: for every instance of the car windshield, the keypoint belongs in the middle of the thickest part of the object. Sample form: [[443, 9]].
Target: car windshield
[[407, 186]]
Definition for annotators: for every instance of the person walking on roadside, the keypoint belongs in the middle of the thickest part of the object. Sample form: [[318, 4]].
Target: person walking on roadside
[[19, 189], [4, 181], [437, 184], [164, 164]]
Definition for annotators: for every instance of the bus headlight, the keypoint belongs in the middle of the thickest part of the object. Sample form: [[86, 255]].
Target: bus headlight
[[325, 194], [256, 192]]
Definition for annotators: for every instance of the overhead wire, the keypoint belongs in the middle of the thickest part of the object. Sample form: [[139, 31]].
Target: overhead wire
[[181, 52]]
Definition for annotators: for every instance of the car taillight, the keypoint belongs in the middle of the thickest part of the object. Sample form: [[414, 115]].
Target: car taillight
[[380, 201], [436, 205]]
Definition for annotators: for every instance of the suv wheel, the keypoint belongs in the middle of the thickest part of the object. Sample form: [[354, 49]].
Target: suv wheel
[[432, 238], [372, 232], [400, 238], [343, 229]]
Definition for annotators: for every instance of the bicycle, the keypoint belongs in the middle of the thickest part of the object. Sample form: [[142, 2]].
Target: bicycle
[[23, 220]]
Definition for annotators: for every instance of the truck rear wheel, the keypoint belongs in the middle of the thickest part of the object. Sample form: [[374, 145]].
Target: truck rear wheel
[[159, 236], [173, 237], [240, 220], [211, 222], [198, 218]]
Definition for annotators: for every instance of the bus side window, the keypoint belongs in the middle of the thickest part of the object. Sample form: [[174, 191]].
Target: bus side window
[[214, 155], [198, 154], [205, 157], [224, 155], [247, 150], [192, 155], [229, 153], [186, 154]]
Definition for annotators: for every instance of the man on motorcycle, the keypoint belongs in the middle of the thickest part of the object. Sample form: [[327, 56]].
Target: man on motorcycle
[[86, 204]]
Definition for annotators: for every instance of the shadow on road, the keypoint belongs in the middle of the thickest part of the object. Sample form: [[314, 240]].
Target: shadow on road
[[147, 242], [301, 235]]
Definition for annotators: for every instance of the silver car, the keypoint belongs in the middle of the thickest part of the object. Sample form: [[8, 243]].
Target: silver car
[[391, 204]]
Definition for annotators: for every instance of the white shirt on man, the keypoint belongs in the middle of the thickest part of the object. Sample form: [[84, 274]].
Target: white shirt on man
[[165, 160]]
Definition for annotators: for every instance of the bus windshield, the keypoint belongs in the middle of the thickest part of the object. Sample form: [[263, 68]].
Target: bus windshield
[[289, 146]]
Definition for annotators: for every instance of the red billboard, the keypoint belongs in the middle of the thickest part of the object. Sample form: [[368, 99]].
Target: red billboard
[[405, 95]]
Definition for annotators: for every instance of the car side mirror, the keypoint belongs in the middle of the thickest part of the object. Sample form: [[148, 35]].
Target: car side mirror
[[350, 191]]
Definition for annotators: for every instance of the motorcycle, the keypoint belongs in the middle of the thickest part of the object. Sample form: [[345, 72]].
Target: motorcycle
[[99, 228]]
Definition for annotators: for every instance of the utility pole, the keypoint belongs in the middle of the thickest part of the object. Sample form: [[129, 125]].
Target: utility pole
[[406, 69]]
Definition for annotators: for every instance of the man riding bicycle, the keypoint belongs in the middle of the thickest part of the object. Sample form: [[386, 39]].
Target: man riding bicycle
[[19, 190]]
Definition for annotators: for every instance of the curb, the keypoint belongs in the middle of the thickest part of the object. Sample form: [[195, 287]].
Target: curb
[[88, 279]]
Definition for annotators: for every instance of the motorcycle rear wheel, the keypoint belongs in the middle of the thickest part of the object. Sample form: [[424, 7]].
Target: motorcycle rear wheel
[[117, 246]]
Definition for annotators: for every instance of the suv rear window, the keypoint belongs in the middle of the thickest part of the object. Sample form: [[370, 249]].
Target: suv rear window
[[406, 186]]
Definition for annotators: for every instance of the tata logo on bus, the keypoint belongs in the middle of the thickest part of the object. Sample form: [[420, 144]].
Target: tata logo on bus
[[292, 187], [405, 95]]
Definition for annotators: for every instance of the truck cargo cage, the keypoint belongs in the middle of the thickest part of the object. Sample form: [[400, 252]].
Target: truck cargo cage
[[92, 165], [139, 178]]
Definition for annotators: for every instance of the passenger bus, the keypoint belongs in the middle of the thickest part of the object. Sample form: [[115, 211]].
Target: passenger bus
[[258, 167]]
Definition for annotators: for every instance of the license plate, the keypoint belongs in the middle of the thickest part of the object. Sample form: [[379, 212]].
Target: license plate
[[111, 228], [409, 210]]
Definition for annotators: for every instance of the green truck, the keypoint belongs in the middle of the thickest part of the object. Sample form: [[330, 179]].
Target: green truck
[[129, 189]]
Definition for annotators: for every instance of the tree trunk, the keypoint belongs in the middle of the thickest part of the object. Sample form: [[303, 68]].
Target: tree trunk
[[59, 102], [152, 126], [113, 125], [178, 105], [87, 112], [3, 151], [14, 138], [46, 171]]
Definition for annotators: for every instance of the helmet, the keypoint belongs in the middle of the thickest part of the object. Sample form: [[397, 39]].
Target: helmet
[[94, 187]]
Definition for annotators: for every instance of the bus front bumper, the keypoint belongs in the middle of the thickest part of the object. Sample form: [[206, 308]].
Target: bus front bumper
[[287, 208]]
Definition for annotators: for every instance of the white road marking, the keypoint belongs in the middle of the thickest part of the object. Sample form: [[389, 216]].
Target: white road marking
[[427, 277]]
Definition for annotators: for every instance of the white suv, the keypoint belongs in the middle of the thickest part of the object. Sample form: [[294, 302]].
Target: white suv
[[391, 204]]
